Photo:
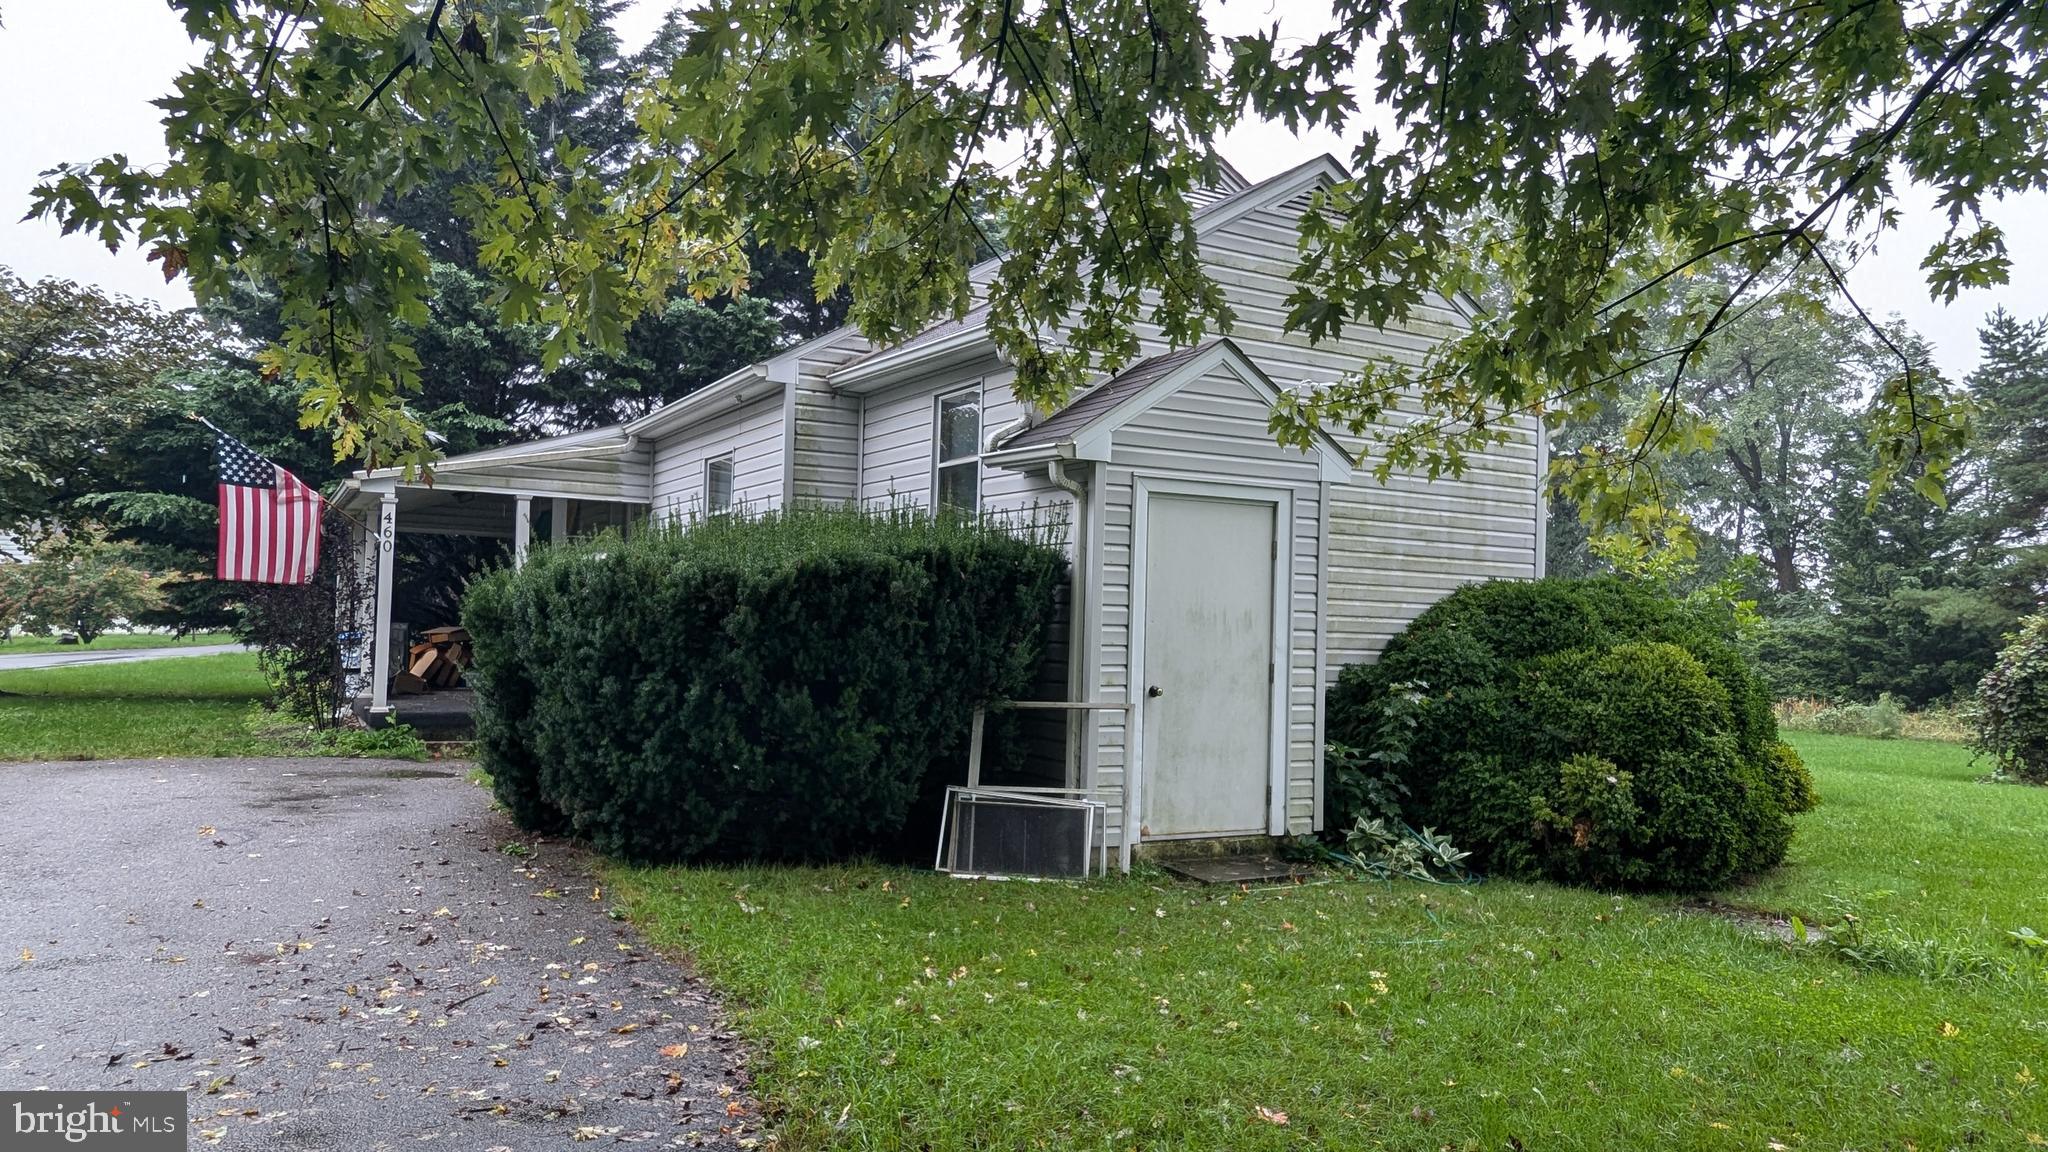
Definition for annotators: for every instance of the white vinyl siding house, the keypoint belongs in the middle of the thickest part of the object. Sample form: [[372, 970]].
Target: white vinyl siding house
[[1396, 548], [1220, 580], [747, 435], [1204, 439]]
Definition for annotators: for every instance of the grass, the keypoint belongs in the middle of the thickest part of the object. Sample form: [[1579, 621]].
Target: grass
[[29, 645], [900, 1009], [189, 706], [1910, 838]]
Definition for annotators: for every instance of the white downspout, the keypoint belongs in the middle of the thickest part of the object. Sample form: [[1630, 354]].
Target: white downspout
[[1542, 497]]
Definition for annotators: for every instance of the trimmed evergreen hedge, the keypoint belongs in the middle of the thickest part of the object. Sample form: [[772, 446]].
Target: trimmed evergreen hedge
[[1584, 731], [769, 687]]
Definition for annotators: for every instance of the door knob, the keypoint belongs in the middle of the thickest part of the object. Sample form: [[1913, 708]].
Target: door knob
[[1155, 692]]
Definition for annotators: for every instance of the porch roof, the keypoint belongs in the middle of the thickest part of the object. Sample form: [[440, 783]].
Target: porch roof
[[606, 463]]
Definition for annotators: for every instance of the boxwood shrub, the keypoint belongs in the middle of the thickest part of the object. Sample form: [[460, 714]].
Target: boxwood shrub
[[1585, 731], [777, 686]]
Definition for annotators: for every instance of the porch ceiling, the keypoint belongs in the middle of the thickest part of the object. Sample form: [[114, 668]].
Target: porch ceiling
[[441, 511]]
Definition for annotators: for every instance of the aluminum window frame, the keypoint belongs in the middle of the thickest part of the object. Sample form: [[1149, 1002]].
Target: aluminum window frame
[[940, 463], [712, 505]]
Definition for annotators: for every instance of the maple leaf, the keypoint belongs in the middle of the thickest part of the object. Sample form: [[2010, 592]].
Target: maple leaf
[[173, 257]]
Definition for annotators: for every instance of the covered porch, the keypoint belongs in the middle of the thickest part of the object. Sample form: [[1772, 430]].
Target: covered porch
[[526, 494]]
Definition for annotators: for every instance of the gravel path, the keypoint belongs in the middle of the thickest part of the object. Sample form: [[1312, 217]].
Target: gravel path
[[341, 955]]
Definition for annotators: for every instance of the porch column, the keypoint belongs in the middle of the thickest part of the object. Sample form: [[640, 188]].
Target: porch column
[[362, 613], [522, 529], [558, 520], [380, 636]]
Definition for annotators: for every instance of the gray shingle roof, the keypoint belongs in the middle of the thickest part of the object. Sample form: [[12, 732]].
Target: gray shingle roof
[[1100, 400]]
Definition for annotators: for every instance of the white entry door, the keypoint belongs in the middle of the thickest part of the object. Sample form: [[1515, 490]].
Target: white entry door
[[1208, 651]]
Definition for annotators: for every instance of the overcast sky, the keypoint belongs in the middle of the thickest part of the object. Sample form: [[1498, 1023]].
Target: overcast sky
[[76, 78]]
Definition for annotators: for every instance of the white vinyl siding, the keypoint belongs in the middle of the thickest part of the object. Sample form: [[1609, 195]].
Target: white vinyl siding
[[749, 433], [825, 464], [1396, 548], [1211, 429]]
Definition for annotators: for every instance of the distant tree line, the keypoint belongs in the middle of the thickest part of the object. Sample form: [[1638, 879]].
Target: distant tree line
[[1858, 598]]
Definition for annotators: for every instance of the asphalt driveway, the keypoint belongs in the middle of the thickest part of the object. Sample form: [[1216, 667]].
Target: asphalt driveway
[[74, 657], [340, 954]]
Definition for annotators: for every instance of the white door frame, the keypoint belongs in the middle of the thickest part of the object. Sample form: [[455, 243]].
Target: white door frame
[[1281, 497]]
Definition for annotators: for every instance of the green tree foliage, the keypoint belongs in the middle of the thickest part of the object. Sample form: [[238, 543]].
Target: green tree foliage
[[776, 687], [1781, 392], [490, 382], [1587, 731], [98, 410], [79, 581], [1860, 597], [77, 369], [1574, 161], [2011, 387], [2012, 720]]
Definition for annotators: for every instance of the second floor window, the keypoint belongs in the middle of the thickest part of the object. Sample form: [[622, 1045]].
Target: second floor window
[[957, 483]]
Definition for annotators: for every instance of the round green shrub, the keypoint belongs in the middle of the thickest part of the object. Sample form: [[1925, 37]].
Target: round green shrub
[[770, 687], [2012, 704], [1585, 731]]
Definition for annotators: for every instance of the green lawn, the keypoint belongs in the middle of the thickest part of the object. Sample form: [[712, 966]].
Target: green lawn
[[1909, 838], [899, 1009], [186, 706], [27, 645]]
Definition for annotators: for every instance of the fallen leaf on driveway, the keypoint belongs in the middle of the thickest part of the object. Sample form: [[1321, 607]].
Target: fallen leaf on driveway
[[675, 1051]]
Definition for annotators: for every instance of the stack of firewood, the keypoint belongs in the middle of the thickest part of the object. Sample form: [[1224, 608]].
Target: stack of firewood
[[436, 662]]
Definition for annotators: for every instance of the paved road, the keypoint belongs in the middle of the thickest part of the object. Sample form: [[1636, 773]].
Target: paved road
[[338, 955], [73, 656]]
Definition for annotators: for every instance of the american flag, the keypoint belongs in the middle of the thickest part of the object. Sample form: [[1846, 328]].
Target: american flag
[[269, 520]]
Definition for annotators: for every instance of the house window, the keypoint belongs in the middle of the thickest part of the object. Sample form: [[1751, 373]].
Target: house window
[[958, 482], [718, 484]]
